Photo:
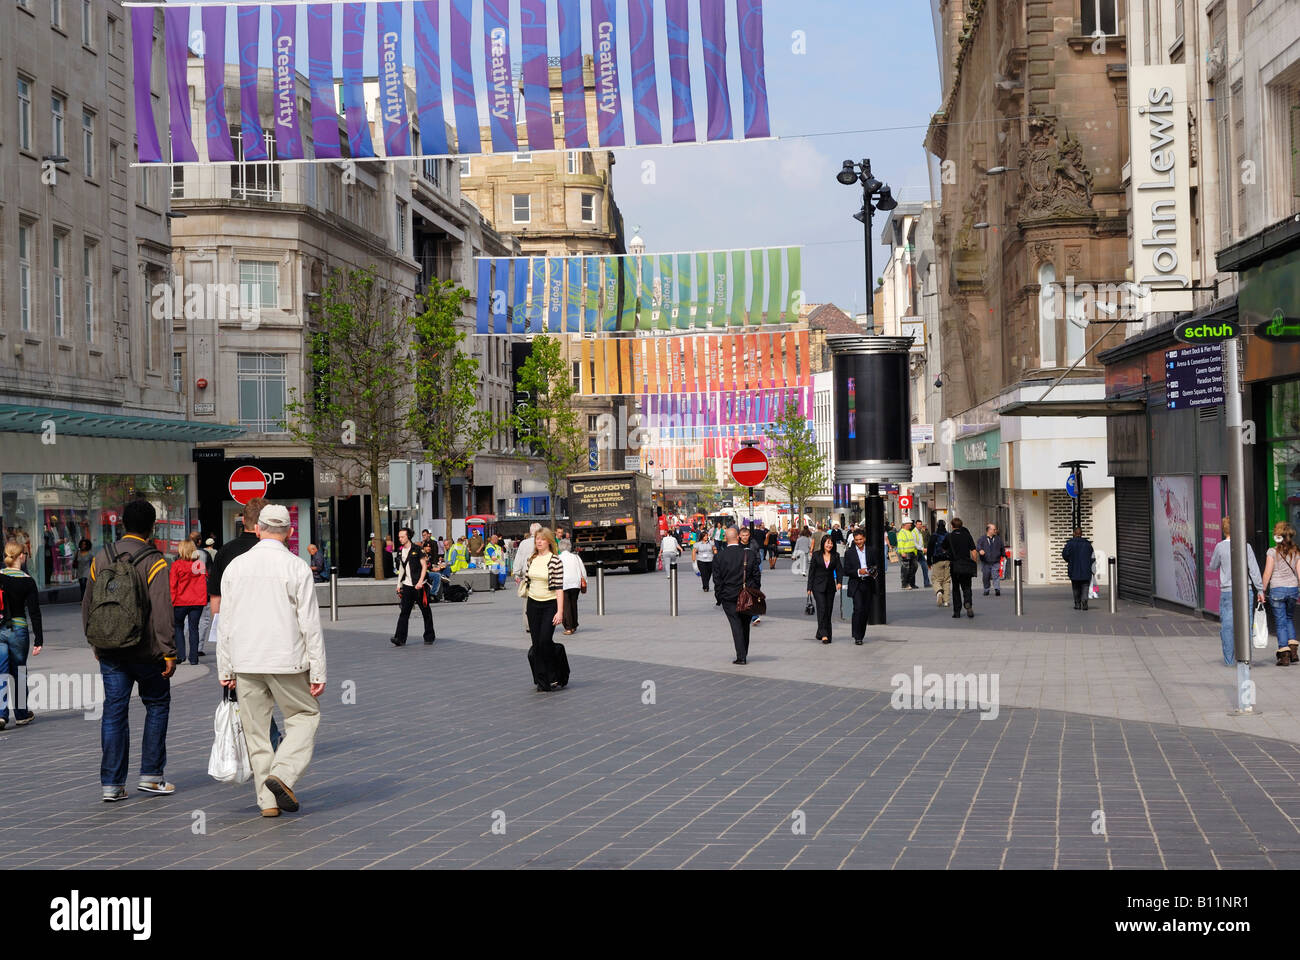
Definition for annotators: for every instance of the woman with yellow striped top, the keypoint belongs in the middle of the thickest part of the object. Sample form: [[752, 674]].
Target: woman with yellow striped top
[[545, 609]]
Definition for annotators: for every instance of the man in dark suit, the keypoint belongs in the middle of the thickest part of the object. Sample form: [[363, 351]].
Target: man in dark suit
[[861, 566], [733, 567]]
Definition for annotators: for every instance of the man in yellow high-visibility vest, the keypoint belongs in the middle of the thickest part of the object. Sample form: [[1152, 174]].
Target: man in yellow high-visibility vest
[[909, 544]]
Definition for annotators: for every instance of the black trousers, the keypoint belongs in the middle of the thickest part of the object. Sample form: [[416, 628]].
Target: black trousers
[[411, 598], [1080, 588], [571, 608], [825, 603], [862, 607], [961, 592], [706, 572], [739, 623]]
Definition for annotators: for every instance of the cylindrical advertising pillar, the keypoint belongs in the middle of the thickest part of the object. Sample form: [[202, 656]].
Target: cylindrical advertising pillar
[[873, 430]]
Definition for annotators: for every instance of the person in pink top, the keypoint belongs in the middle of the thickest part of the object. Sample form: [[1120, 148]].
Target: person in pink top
[[189, 586]]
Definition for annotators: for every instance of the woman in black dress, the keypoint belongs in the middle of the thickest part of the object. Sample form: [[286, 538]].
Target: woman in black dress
[[823, 581]]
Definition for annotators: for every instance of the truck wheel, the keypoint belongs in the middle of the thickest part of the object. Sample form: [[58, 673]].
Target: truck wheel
[[648, 563]]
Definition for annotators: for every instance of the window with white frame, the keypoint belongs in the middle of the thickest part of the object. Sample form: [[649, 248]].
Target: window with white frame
[[1099, 17], [259, 284], [56, 13], [144, 182], [588, 208], [88, 143], [88, 288], [262, 388], [254, 180], [400, 218], [57, 303], [24, 113], [571, 162], [433, 171], [178, 371], [464, 166], [1076, 328], [58, 115], [87, 23], [1047, 312], [522, 208], [24, 276]]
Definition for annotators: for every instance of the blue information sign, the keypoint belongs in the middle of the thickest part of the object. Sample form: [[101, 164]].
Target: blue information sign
[[1069, 486]]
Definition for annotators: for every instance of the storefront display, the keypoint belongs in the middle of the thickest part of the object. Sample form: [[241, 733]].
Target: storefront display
[[1175, 554], [1283, 453]]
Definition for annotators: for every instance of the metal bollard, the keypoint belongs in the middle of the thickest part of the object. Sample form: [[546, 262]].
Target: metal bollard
[[334, 594], [1020, 589], [600, 591], [1111, 575], [672, 588]]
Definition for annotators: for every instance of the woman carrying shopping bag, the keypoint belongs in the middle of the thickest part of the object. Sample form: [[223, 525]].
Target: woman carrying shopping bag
[[1282, 585]]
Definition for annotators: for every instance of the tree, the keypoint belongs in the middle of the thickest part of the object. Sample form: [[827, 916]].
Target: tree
[[546, 424], [795, 465], [361, 364], [707, 496], [444, 418]]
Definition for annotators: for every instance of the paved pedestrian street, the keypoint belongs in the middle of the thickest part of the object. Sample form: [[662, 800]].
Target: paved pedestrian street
[[1110, 747]]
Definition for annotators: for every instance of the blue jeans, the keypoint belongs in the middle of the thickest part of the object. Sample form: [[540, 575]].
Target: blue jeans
[[1277, 599], [179, 616], [434, 582], [156, 692], [13, 650], [1225, 628], [925, 567]]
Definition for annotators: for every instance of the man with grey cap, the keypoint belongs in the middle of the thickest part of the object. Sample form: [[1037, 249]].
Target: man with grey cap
[[272, 652]]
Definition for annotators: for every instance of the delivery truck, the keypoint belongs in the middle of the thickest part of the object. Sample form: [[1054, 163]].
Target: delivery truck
[[613, 520]]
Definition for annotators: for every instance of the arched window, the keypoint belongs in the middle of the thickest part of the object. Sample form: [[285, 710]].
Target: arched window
[[1048, 308], [1076, 328]]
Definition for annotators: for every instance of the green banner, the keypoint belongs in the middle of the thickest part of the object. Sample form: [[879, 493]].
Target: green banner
[[609, 313], [718, 314], [756, 296], [702, 303], [793, 285], [773, 314], [628, 291], [737, 318], [678, 305], [664, 296]]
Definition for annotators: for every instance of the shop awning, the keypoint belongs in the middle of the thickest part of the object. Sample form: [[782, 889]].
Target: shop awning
[[1072, 408], [20, 418]]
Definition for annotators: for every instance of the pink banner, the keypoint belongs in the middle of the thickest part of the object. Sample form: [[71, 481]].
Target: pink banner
[[1211, 534]]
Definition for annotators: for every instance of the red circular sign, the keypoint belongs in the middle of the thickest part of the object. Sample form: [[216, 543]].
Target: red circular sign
[[749, 466], [905, 501], [247, 483]]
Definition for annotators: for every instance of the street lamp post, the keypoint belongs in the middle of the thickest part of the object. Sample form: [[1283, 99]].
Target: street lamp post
[[875, 196]]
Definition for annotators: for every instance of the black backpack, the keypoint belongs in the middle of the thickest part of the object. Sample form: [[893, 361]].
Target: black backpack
[[119, 601]]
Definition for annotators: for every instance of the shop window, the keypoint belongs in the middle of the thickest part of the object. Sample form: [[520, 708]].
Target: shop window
[[1283, 455]]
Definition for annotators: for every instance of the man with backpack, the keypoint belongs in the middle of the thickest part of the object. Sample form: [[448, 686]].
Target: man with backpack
[[127, 617]]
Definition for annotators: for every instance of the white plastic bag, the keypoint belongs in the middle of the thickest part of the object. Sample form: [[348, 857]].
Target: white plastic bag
[[1259, 631], [228, 761]]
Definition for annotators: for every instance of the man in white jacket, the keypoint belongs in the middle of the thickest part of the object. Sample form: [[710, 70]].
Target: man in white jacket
[[272, 652]]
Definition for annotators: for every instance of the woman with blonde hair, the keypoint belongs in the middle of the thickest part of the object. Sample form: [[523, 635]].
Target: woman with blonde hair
[[20, 621], [1282, 584], [544, 588], [189, 586]]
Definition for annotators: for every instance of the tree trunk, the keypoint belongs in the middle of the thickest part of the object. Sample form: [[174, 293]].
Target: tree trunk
[[378, 535], [447, 506], [554, 491]]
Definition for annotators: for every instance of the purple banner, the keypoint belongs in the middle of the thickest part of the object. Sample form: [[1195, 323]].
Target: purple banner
[[284, 71], [146, 128], [713, 27], [645, 88], [320, 66], [392, 82], [462, 79], [176, 29], [604, 45], [428, 80], [354, 103], [537, 84], [575, 97], [749, 18], [220, 149], [500, 83], [679, 70]]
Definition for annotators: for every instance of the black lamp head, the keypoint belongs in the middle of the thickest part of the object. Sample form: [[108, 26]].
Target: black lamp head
[[886, 201], [847, 175], [938, 382]]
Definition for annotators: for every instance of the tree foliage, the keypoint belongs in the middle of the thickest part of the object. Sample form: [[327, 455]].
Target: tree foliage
[[356, 416], [546, 423], [795, 464], [445, 418]]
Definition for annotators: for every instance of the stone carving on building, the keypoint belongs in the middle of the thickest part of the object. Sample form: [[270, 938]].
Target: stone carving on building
[[1044, 252], [1057, 181]]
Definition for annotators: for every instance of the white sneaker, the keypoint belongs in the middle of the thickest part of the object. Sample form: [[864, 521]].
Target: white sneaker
[[156, 786]]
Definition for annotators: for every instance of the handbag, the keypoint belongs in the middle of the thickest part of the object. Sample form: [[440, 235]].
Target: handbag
[[751, 599], [228, 761], [809, 608], [523, 588]]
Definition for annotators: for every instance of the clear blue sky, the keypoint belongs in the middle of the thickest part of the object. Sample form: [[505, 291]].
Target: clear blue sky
[[868, 65]]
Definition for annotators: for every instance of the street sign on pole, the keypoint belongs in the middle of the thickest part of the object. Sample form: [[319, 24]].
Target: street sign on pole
[[1070, 487], [905, 501], [247, 483], [749, 466]]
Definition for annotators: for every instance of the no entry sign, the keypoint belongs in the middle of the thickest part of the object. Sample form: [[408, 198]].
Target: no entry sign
[[905, 501], [749, 466], [247, 483]]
